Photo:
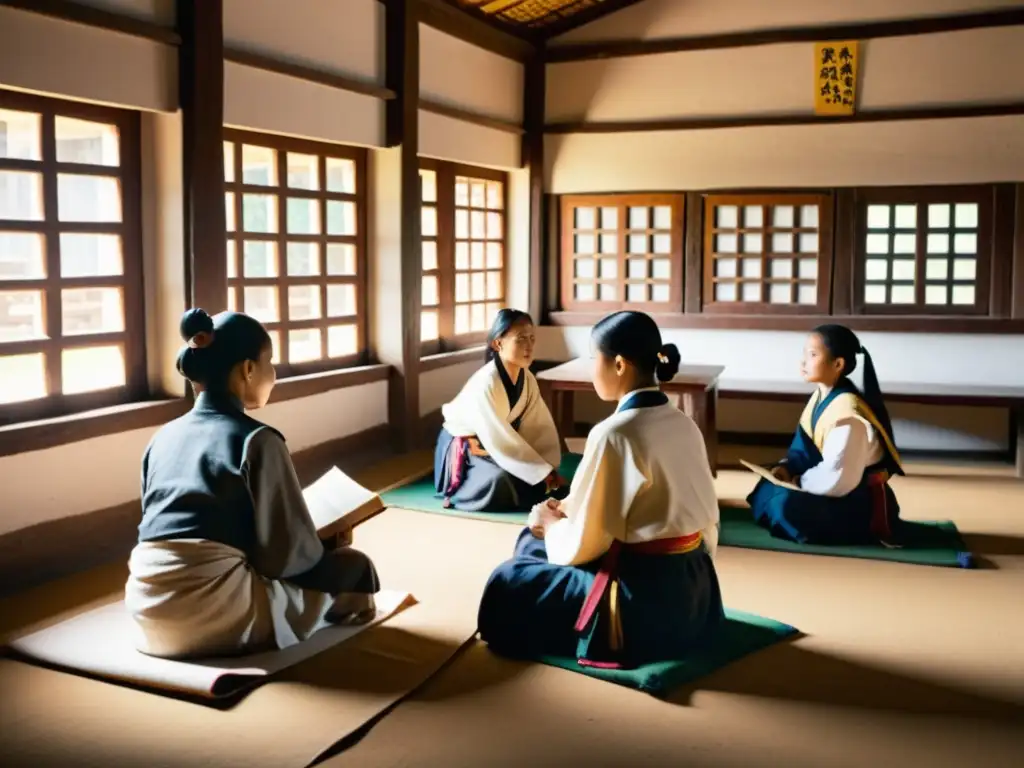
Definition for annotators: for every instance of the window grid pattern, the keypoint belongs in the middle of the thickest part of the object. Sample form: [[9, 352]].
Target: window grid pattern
[[766, 254], [463, 239], [71, 314], [296, 246], [924, 251], [892, 242], [622, 252]]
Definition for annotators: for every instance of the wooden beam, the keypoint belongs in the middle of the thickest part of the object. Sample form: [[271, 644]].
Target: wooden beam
[[871, 30], [1001, 271], [399, 173], [693, 254], [532, 153], [844, 250], [87, 15], [302, 72], [201, 88], [466, 116], [958, 111], [1017, 303], [474, 28]]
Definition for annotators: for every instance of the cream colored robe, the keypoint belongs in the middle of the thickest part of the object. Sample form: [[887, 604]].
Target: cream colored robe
[[482, 410], [644, 476]]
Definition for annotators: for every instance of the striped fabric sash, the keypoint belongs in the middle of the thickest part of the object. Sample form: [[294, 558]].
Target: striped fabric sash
[[607, 582], [457, 453]]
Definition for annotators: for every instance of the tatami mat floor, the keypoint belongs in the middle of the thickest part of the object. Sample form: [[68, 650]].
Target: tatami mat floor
[[899, 664]]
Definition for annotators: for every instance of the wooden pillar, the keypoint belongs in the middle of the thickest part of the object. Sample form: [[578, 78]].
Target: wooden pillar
[[1017, 271], [201, 88], [396, 250], [533, 161]]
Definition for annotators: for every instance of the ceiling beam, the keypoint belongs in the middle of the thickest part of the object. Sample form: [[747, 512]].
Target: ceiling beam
[[476, 28], [871, 30]]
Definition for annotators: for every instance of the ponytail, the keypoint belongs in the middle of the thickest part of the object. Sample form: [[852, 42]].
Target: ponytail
[[872, 394]]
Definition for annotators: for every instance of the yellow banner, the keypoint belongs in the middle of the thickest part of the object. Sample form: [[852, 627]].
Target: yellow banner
[[835, 78]]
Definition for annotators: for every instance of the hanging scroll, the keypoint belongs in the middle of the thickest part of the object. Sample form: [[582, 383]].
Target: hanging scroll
[[835, 78]]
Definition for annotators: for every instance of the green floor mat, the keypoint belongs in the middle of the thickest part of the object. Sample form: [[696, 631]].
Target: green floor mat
[[420, 496], [743, 634], [927, 543]]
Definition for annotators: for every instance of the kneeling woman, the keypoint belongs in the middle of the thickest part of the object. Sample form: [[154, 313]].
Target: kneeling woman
[[228, 559], [499, 448], [841, 457], [620, 573]]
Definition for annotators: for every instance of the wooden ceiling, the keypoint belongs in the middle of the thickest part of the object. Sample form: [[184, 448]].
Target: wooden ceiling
[[540, 19]]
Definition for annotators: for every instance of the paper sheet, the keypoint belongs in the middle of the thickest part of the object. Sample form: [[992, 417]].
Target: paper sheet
[[767, 475]]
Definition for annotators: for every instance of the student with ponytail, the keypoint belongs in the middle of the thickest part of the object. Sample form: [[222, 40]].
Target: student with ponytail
[[621, 571], [228, 559], [841, 457]]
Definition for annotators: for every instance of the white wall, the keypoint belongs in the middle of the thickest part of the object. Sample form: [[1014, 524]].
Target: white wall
[[955, 68], [336, 38], [458, 74], [58, 58], [440, 385]]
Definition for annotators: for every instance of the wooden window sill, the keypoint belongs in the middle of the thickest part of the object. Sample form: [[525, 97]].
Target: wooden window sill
[[50, 433], [445, 359], [317, 383], [891, 323], [61, 430]]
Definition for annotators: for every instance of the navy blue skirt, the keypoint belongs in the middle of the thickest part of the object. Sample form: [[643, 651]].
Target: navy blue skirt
[[485, 486], [864, 516], [669, 605]]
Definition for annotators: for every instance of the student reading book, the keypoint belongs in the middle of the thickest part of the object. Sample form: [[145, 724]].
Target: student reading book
[[229, 559]]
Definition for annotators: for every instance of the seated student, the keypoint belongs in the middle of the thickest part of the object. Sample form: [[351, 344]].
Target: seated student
[[842, 455], [499, 448], [621, 572], [228, 559]]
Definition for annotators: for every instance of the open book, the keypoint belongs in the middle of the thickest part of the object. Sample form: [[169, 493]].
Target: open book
[[767, 475], [337, 503]]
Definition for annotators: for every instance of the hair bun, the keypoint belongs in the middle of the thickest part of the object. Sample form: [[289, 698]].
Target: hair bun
[[194, 322], [668, 362]]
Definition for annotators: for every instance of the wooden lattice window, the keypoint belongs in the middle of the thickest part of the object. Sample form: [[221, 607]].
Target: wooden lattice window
[[924, 251], [296, 222], [464, 232], [767, 253], [622, 251], [72, 330]]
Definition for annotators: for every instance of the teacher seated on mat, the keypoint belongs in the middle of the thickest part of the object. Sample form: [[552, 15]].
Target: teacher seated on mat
[[499, 448], [228, 559], [841, 457], [619, 573]]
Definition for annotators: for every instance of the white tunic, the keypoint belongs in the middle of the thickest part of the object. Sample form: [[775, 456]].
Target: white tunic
[[851, 446], [644, 476], [482, 410]]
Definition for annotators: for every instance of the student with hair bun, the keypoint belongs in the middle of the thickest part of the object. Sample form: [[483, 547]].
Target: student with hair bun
[[621, 571], [841, 457], [228, 559]]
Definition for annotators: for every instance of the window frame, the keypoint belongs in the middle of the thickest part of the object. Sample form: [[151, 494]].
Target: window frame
[[921, 196], [446, 173], [321, 150], [130, 281], [677, 229], [825, 201]]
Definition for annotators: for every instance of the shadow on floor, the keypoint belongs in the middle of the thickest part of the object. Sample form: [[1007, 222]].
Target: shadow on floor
[[788, 671]]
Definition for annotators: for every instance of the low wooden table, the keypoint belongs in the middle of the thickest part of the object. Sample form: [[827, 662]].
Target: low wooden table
[[697, 386], [906, 392]]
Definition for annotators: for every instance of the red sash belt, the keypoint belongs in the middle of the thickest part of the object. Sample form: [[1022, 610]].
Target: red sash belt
[[881, 528], [606, 580]]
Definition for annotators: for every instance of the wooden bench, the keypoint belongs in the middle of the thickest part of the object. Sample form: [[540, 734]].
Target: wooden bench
[[929, 394], [697, 386]]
